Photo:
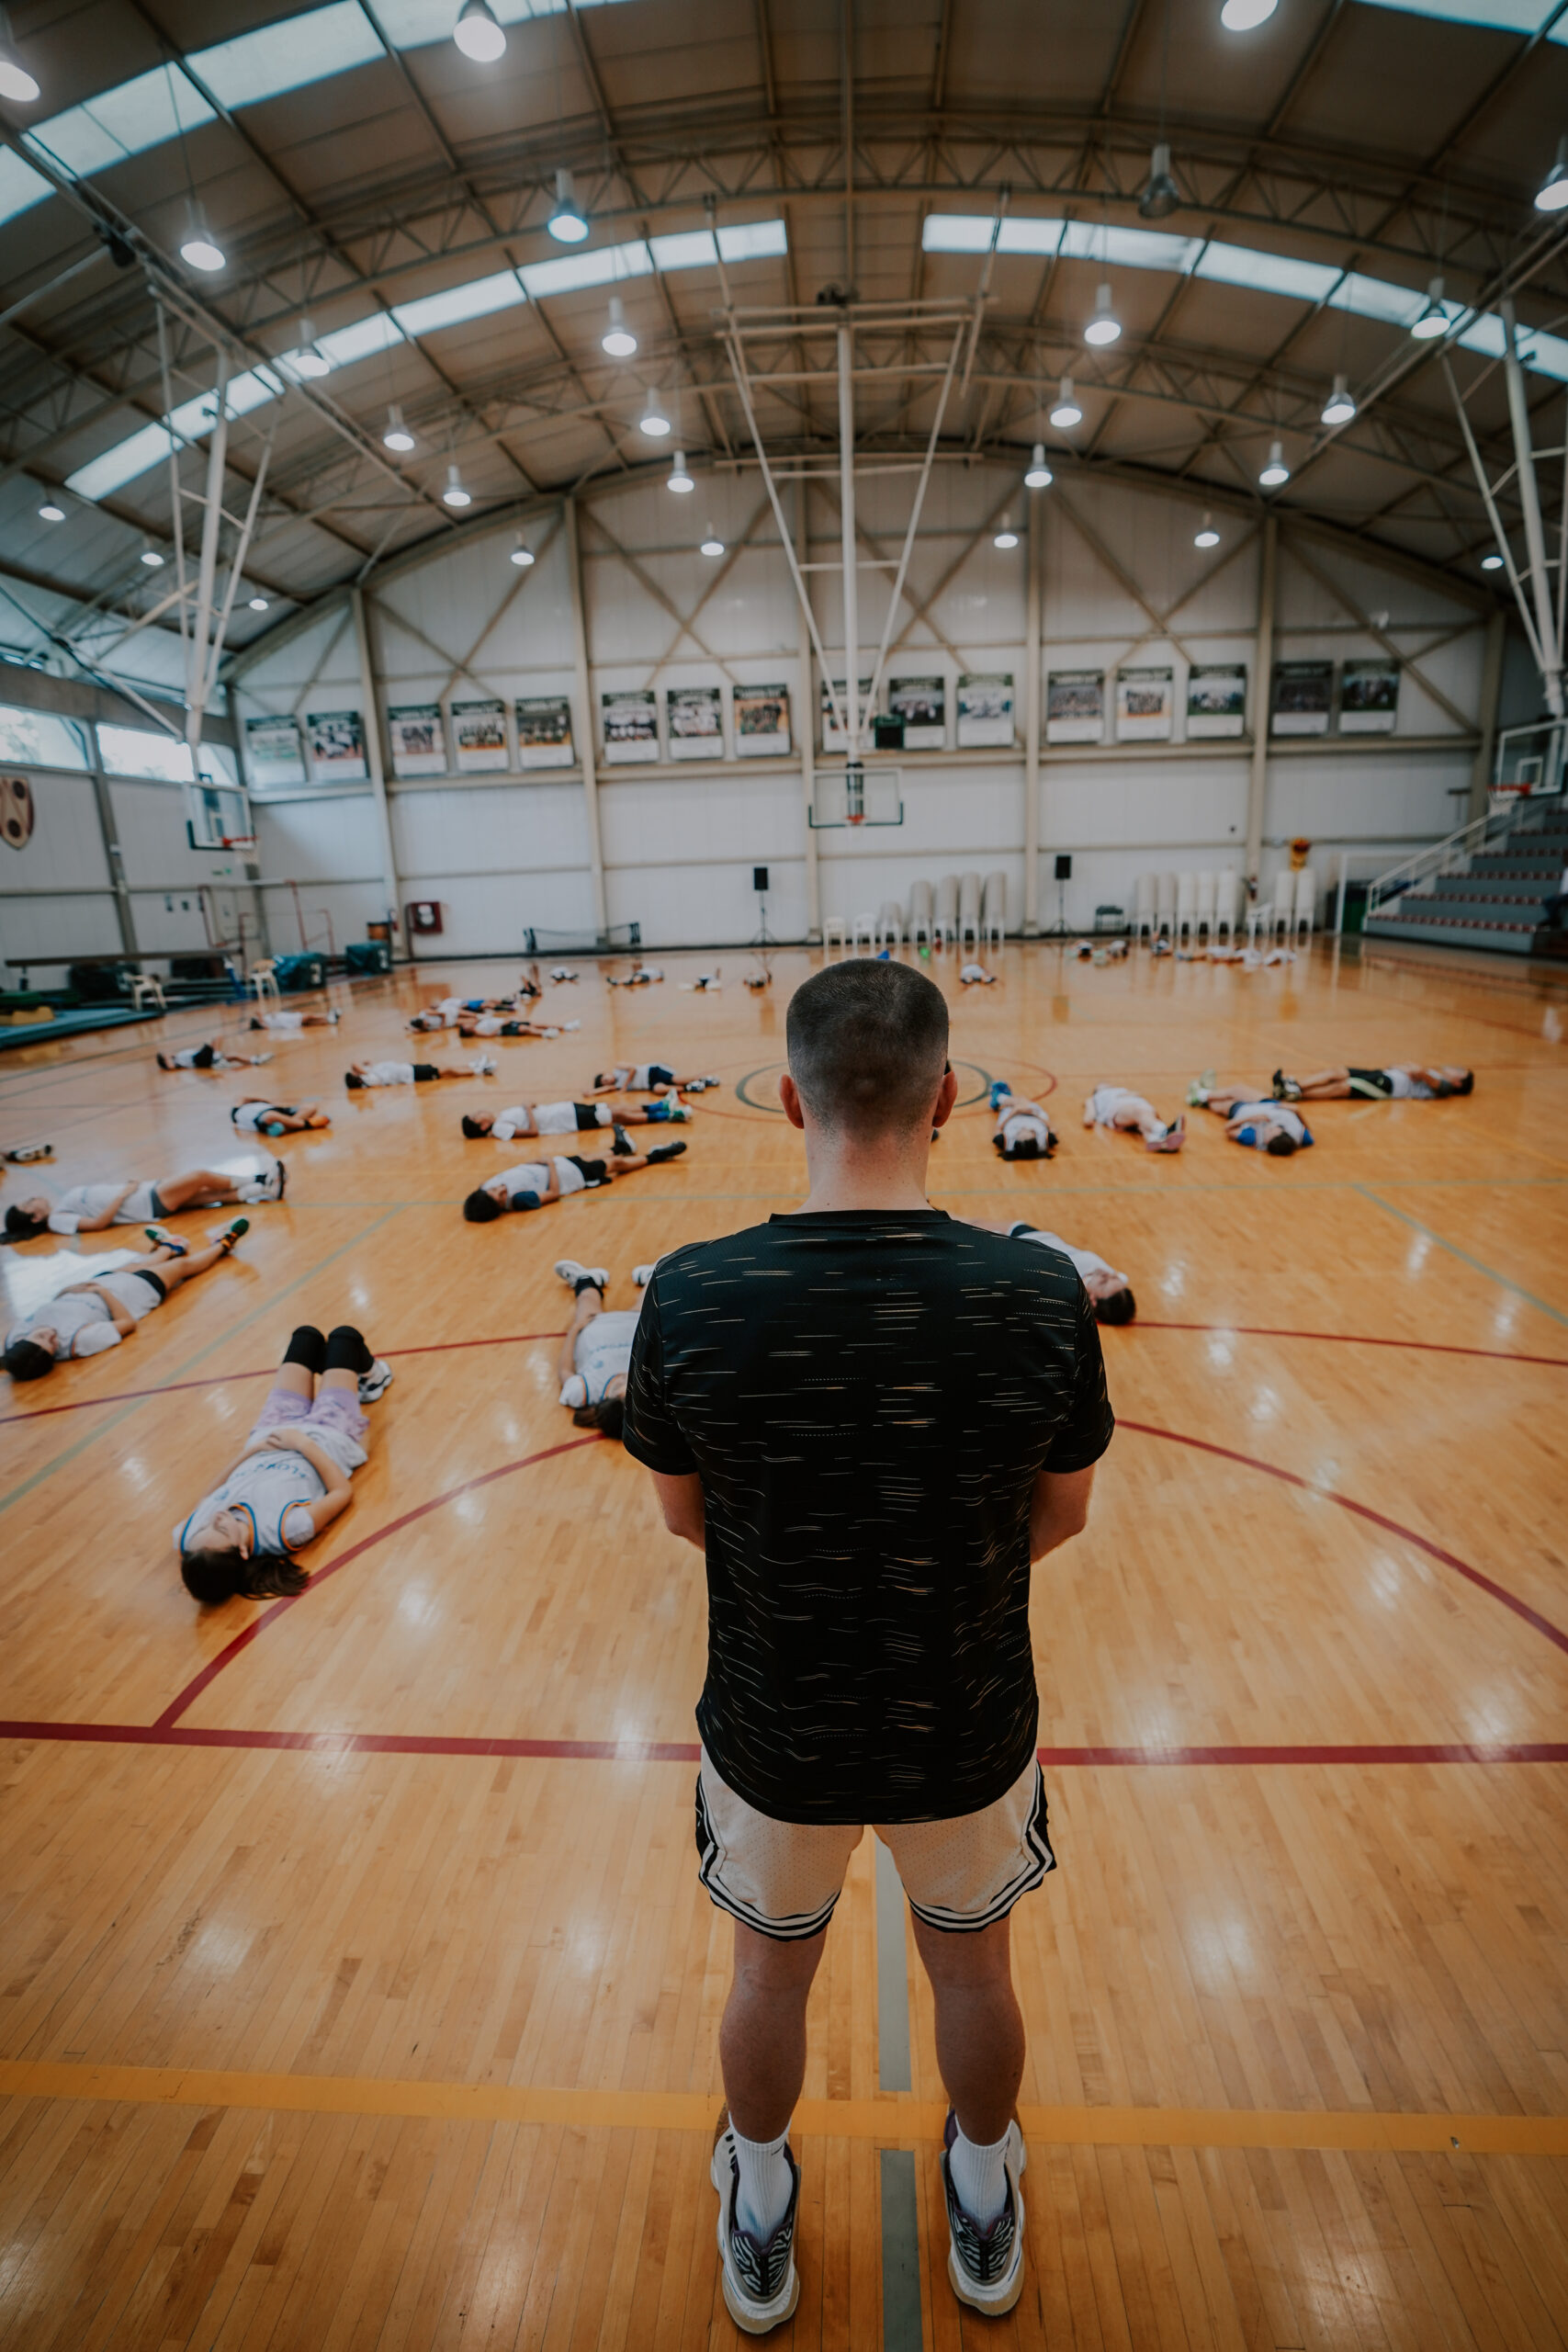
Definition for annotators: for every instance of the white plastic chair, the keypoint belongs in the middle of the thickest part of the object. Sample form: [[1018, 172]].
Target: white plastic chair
[[969, 910], [1143, 907], [145, 990], [994, 908], [1206, 904], [1224, 905], [865, 927], [1282, 915], [264, 979], [1185, 907], [890, 925], [1165, 904], [833, 928], [1304, 913], [947, 909], [920, 922]]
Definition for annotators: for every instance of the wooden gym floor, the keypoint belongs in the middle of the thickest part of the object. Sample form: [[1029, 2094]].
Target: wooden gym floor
[[357, 1988]]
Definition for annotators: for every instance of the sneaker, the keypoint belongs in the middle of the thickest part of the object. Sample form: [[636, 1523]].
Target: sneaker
[[623, 1146], [761, 2285], [1173, 1139], [568, 1271], [710, 1082], [1286, 1090], [985, 2267], [267, 1187], [26, 1152], [1197, 1094], [643, 1275], [227, 1235], [376, 1382], [256, 1061], [665, 1151], [486, 1066], [162, 1238], [1000, 1091], [681, 1112], [334, 1017]]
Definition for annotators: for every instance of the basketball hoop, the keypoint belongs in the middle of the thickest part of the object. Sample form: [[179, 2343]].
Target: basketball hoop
[[854, 817], [242, 844]]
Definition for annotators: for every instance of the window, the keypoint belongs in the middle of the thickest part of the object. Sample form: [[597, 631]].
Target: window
[[284, 56], [481, 295], [127, 751], [20, 186], [35, 739], [123, 121]]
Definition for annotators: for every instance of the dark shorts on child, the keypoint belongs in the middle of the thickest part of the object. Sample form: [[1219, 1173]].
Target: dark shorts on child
[[1370, 1081], [590, 1170], [423, 1071]]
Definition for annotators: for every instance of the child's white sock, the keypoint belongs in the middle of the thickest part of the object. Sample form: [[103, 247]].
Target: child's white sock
[[763, 2198], [980, 2178]]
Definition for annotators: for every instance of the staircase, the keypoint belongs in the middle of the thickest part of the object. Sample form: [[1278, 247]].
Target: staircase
[[1483, 888]]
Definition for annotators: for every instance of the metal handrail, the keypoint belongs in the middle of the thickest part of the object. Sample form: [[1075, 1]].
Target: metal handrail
[[1450, 856]]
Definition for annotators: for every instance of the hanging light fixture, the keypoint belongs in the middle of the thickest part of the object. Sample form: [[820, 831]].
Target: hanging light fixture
[[680, 479], [521, 553], [477, 33], [653, 421], [568, 222], [309, 360], [16, 82], [1341, 405], [1552, 193], [1162, 195], [259, 604], [1276, 471], [1492, 562], [152, 557], [1007, 536], [51, 511], [198, 246], [1206, 535], [1434, 320], [455, 494], [713, 544], [397, 436], [1242, 15], [1105, 326], [617, 338], [1039, 476], [1067, 412]]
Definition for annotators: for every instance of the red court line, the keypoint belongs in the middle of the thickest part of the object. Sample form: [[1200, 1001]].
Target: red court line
[[678, 1751], [133, 1395], [1553, 1633], [1352, 1339]]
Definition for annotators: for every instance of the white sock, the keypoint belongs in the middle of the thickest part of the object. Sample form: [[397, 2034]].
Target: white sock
[[980, 2178], [764, 2199], [1160, 1132]]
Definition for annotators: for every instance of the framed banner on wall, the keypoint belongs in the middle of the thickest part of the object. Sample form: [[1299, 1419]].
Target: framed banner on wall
[[985, 708], [1216, 698], [631, 728], [921, 703], [544, 731], [693, 722], [417, 739], [274, 753], [1302, 696], [479, 735], [1369, 697], [761, 721], [1142, 704], [335, 739], [1075, 706]]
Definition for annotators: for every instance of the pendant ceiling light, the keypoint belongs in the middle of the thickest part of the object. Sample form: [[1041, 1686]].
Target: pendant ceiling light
[[309, 360], [1241, 15], [1162, 195], [1552, 193], [1276, 472], [198, 246], [477, 33], [713, 544], [1434, 320], [51, 511], [1039, 476], [16, 82], [521, 553], [617, 338], [259, 604], [397, 436], [1341, 405], [653, 421], [455, 494], [1007, 536], [1067, 412], [568, 222], [680, 479], [152, 557], [1105, 326], [1205, 535], [1492, 562]]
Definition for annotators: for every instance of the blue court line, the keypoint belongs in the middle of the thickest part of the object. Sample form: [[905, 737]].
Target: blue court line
[[901, 2330], [269, 1307], [1464, 1255]]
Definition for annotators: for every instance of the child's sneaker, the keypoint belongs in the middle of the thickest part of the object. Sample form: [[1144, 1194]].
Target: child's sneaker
[[643, 1275], [665, 1151], [1000, 1091], [268, 1187], [24, 1152], [256, 1061], [486, 1066], [761, 2285], [681, 1112], [574, 1276], [227, 1235], [376, 1382], [985, 2267], [335, 1017], [162, 1238], [623, 1146], [1173, 1139]]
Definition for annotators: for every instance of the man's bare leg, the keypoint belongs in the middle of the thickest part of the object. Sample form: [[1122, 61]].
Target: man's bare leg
[[979, 2026], [761, 2039]]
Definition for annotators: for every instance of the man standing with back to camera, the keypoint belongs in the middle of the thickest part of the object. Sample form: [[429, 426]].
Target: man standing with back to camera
[[873, 1417]]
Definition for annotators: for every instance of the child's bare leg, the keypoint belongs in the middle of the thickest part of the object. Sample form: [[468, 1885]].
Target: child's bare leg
[[309, 1114], [176, 1272], [198, 1188], [1326, 1086], [585, 1307]]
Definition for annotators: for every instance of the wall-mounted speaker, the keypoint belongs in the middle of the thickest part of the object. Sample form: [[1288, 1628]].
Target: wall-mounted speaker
[[1064, 867], [758, 879]]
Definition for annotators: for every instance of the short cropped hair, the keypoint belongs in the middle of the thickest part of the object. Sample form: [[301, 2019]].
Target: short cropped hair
[[472, 1128], [1116, 1307], [608, 1416], [867, 1043], [353, 1080], [482, 1208], [1466, 1085], [22, 1224], [1280, 1147], [25, 1360]]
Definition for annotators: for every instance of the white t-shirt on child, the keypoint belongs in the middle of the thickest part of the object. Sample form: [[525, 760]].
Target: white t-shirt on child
[[603, 1348], [92, 1200]]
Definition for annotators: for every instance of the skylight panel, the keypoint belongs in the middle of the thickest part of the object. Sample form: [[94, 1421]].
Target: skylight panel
[[570, 273], [286, 56], [196, 418], [957, 233], [753, 241], [101, 476], [1507, 15], [688, 249], [1039, 238], [1303, 281], [1132, 248], [123, 121], [360, 341], [20, 186], [474, 301], [1374, 298]]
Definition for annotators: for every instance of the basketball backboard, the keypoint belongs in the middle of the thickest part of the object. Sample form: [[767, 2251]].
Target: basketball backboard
[[853, 796]]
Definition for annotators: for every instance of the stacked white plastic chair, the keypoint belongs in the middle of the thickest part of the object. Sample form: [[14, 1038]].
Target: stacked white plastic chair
[[1282, 913], [264, 979], [890, 925], [921, 916], [947, 909], [834, 930], [865, 928], [1165, 905], [994, 908], [1144, 906], [969, 910], [1304, 913], [1185, 907], [1224, 905], [1207, 897]]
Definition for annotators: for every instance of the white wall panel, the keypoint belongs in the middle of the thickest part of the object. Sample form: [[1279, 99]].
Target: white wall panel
[[66, 852], [306, 841], [55, 926], [322, 914], [511, 828]]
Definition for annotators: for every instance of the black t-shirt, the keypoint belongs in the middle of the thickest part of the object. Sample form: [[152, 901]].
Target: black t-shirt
[[868, 1397]]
